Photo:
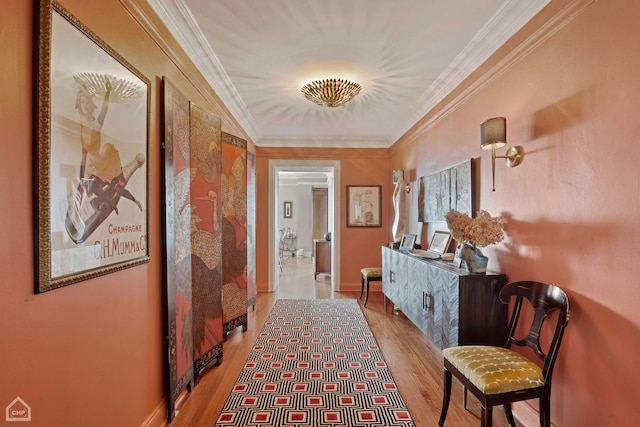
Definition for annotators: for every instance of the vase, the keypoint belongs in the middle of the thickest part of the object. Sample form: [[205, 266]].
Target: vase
[[473, 258]]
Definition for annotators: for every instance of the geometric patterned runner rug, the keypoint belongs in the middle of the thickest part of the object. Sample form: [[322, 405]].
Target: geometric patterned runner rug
[[315, 363]]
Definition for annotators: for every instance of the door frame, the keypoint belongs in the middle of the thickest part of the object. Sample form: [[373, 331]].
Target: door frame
[[333, 166]]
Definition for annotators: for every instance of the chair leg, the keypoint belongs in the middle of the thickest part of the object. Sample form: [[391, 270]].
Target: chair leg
[[464, 397], [446, 397], [487, 417], [366, 298], [509, 414], [361, 288], [545, 411]]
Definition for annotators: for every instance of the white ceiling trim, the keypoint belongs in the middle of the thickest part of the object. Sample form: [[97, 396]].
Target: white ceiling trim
[[177, 16], [325, 143], [508, 19], [502, 26], [555, 24]]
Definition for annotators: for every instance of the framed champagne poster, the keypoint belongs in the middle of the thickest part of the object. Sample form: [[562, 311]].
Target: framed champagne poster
[[91, 184]]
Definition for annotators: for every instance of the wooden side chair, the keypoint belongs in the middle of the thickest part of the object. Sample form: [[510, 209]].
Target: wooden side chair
[[499, 375], [369, 274]]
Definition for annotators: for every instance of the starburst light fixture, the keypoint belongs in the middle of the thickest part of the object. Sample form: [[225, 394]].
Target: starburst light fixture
[[330, 92]]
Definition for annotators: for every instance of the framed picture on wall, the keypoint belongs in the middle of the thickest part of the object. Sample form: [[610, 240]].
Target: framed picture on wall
[[91, 175], [287, 209], [439, 192], [363, 206]]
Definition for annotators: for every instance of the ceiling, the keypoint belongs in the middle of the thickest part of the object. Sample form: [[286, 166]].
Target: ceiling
[[406, 54]]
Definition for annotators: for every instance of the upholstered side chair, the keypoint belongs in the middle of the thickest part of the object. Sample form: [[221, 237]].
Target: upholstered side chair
[[498, 375]]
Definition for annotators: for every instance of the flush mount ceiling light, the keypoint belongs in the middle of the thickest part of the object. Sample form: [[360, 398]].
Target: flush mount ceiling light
[[330, 92]]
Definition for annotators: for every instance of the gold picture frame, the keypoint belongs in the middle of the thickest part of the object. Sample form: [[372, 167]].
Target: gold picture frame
[[91, 153]]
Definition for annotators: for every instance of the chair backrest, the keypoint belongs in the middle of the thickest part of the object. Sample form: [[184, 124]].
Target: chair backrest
[[544, 299]]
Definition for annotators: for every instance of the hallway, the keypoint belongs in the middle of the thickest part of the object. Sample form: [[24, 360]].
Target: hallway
[[296, 280], [415, 363]]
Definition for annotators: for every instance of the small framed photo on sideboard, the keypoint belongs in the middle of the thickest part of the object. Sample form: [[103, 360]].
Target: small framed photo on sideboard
[[407, 242]]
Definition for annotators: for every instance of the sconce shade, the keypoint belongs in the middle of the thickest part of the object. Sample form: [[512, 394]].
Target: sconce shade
[[493, 133]]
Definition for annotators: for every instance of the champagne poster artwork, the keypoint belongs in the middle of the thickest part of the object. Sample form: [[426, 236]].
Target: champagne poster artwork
[[92, 156]]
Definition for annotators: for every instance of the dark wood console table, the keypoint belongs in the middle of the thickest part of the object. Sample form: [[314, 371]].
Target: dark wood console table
[[450, 305]]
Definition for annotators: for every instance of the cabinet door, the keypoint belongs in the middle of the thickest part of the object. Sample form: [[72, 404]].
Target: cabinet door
[[418, 287], [449, 284], [423, 300], [386, 277], [394, 277], [416, 278], [482, 317], [432, 296]]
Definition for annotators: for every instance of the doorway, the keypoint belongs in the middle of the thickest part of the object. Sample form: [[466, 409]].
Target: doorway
[[279, 169], [320, 208]]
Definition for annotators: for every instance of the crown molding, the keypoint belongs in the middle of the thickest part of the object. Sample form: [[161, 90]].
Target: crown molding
[[511, 17], [177, 17], [555, 23], [325, 142], [143, 13]]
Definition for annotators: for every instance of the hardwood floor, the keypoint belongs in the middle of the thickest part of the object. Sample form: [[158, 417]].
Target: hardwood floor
[[415, 363]]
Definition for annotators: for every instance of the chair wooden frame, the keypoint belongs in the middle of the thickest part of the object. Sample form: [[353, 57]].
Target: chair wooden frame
[[367, 280], [544, 299]]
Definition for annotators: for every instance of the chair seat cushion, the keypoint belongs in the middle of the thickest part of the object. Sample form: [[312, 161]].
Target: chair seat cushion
[[494, 370], [371, 272]]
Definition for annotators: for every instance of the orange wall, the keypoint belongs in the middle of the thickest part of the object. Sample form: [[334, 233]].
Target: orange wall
[[573, 205], [91, 353]]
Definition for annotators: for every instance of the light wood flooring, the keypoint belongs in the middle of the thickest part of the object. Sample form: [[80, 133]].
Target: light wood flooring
[[415, 363]]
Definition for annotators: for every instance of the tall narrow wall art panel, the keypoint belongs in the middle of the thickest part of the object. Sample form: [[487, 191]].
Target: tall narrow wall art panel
[[439, 192], [206, 239], [251, 230], [177, 243], [234, 231], [461, 188]]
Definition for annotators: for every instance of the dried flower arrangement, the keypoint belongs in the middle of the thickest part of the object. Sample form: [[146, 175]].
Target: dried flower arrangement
[[483, 230]]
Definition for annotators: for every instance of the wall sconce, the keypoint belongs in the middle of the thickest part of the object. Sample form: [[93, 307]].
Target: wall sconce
[[493, 134], [397, 174]]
